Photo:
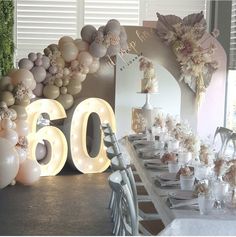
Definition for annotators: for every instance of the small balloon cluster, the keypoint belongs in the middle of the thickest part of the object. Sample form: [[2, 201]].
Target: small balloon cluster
[[59, 73]]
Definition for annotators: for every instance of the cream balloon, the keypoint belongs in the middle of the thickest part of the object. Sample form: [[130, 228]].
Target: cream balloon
[[9, 163], [24, 101], [78, 76], [4, 82], [51, 91], [22, 154], [6, 123], [66, 100], [63, 40], [22, 127], [85, 58], [20, 110], [74, 87], [10, 135], [60, 62], [29, 172], [81, 45], [7, 97], [69, 51], [22, 75], [94, 66], [13, 114]]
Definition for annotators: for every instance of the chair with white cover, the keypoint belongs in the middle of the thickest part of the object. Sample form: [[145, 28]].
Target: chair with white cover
[[221, 136], [229, 150]]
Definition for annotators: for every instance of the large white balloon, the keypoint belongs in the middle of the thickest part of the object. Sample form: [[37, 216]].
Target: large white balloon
[[10, 135], [29, 172], [9, 163], [22, 127]]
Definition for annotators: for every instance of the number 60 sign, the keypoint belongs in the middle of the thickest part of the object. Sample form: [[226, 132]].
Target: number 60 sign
[[72, 143]]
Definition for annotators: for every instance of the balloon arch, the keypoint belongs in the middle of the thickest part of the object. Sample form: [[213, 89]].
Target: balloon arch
[[56, 75]]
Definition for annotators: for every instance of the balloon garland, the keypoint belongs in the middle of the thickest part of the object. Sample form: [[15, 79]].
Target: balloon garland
[[57, 74]]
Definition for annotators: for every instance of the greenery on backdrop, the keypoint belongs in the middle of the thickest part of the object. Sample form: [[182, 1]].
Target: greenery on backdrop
[[6, 36]]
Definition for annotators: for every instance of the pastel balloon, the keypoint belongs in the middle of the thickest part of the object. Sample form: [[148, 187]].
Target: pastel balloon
[[51, 91], [81, 45], [22, 75], [4, 82], [53, 69], [13, 114], [20, 110], [97, 50], [38, 62], [22, 127], [38, 91], [25, 63], [113, 50], [74, 87], [94, 66], [85, 58], [32, 56], [9, 163], [78, 76], [6, 123], [10, 135], [32, 85], [22, 154], [7, 97], [39, 73], [112, 26], [41, 151], [65, 81], [24, 101], [29, 172], [66, 100], [60, 62], [69, 51], [63, 40], [45, 62], [63, 90], [87, 33], [58, 82]]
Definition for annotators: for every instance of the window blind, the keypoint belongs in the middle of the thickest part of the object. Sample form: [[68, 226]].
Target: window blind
[[40, 23], [232, 53], [98, 12], [179, 8]]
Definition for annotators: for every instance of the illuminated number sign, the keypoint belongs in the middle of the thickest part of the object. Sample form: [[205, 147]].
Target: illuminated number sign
[[76, 128]]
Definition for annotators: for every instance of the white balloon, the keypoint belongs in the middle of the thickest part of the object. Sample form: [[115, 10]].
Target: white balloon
[[10, 135], [22, 153], [6, 124], [22, 127]]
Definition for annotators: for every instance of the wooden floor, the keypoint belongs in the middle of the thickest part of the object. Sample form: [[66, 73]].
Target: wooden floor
[[69, 204]]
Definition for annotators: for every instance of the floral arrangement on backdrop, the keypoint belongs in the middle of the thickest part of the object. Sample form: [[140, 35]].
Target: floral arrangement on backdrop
[[56, 74], [193, 49]]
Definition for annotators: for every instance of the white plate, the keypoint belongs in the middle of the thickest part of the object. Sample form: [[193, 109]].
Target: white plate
[[168, 176], [182, 194]]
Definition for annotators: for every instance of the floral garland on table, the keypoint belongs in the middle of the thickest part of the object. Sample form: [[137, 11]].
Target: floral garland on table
[[186, 37]]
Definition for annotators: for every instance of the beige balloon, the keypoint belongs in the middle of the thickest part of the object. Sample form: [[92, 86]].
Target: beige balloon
[[74, 87], [20, 110], [9, 163], [64, 40], [4, 82], [66, 100], [24, 101], [7, 97], [69, 51], [79, 76], [22, 75], [29, 172], [60, 62], [51, 91]]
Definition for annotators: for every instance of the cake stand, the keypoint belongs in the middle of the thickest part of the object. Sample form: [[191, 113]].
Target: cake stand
[[147, 104]]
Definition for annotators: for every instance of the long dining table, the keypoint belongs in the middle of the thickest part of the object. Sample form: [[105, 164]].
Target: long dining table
[[184, 220]]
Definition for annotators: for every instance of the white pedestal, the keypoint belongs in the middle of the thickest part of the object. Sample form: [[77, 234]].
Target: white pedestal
[[147, 104]]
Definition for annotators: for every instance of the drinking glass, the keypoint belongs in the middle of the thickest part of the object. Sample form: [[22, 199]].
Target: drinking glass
[[205, 203]]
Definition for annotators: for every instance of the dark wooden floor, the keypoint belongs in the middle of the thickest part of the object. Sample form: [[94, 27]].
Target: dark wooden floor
[[68, 204]]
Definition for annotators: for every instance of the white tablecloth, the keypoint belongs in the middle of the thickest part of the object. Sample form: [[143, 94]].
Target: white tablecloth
[[181, 221]]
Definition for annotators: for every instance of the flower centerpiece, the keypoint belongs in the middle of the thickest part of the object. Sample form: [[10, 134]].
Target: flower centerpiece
[[186, 37]]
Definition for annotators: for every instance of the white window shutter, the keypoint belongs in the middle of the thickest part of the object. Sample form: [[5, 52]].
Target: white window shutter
[[232, 53], [42, 22], [179, 8], [98, 12]]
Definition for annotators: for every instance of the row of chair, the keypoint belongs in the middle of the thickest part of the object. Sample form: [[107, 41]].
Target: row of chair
[[131, 210]]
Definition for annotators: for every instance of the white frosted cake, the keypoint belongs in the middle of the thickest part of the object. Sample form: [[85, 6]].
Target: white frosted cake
[[149, 83]]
